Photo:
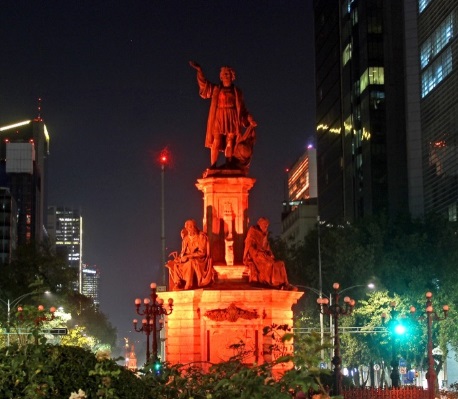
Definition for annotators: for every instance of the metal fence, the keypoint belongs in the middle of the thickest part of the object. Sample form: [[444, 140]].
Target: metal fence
[[408, 392]]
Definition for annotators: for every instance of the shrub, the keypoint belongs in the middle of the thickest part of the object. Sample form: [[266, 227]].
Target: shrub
[[46, 371]]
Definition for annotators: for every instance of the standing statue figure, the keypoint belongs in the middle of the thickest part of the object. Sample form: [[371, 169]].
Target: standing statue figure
[[226, 119], [193, 265], [264, 268]]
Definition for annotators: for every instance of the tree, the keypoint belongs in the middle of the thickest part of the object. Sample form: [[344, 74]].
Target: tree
[[404, 256], [36, 267]]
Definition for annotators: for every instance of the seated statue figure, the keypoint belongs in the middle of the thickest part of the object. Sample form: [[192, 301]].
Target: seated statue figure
[[265, 270], [193, 266]]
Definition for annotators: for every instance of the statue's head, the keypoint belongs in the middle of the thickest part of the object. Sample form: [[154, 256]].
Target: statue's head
[[227, 74], [191, 226], [263, 224]]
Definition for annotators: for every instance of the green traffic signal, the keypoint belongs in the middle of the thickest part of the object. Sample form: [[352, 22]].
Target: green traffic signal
[[399, 329], [157, 367]]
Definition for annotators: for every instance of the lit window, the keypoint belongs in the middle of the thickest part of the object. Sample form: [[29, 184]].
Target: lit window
[[422, 4], [346, 54], [436, 72], [372, 76], [434, 44]]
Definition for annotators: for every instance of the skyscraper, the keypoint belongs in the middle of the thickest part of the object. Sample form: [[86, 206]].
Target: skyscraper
[[65, 229], [24, 147], [300, 209], [387, 124], [437, 57], [8, 225], [90, 283], [361, 108]]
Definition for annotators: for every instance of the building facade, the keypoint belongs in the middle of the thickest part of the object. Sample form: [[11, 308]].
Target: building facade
[[24, 147], [8, 225], [65, 229], [361, 112], [300, 210], [91, 283], [437, 26], [386, 83]]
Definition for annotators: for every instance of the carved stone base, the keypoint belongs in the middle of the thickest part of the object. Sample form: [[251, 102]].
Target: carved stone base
[[225, 213], [211, 326]]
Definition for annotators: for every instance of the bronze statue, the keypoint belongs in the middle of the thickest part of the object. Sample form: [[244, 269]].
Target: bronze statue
[[193, 265], [227, 118], [265, 270]]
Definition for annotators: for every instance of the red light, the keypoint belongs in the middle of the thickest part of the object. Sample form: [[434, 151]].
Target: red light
[[164, 157], [440, 144]]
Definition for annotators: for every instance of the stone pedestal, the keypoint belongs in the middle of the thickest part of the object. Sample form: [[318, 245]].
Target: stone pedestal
[[211, 325], [228, 318], [226, 215]]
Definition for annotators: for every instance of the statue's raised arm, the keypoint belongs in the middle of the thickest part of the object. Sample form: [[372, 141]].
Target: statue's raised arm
[[195, 65], [227, 120]]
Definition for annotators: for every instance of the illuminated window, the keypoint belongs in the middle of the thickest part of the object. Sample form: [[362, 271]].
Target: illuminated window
[[372, 76], [422, 4], [436, 72], [347, 54], [437, 41]]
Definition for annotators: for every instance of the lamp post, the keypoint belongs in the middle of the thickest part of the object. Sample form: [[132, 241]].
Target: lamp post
[[320, 294], [335, 310], [37, 318], [153, 308], [12, 304], [163, 160], [431, 316], [395, 376]]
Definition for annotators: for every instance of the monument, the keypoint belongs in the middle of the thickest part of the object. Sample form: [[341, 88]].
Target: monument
[[226, 284]]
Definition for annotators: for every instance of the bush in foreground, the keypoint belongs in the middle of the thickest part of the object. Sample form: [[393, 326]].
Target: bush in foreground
[[46, 371]]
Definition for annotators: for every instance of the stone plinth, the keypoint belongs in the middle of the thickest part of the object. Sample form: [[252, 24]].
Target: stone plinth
[[226, 215], [206, 322]]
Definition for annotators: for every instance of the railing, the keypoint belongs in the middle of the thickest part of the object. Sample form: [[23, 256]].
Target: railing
[[343, 330], [409, 392]]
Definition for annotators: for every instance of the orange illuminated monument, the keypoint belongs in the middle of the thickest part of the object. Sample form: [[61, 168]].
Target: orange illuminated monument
[[213, 320]]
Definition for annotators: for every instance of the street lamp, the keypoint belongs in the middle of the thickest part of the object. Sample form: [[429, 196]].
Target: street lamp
[[430, 316], [37, 318], [320, 294], [153, 309], [12, 304], [335, 310], [164, 159], [396, 328]]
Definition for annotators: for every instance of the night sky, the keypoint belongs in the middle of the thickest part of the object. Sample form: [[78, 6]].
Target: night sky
[[116, 88]]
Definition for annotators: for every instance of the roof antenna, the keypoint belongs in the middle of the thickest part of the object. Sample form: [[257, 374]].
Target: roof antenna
[[39, 109]]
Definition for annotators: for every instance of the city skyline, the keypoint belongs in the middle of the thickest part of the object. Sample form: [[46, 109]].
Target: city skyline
[[116, 89]]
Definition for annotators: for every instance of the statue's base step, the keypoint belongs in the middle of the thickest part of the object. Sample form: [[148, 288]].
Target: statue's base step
[[231, 274]]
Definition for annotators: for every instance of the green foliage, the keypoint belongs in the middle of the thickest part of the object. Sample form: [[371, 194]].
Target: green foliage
[[233, 379], [77, 337], [45, 371], [37, 268], [405, 258]]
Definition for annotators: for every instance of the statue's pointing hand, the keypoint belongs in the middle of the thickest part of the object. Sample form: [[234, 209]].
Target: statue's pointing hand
[[195, 65]]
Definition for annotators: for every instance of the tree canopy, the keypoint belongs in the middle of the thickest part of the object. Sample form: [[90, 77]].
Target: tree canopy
[[403, 257]]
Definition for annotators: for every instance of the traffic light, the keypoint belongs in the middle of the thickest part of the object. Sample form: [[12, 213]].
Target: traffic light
[[400, 329], [157, 367]]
